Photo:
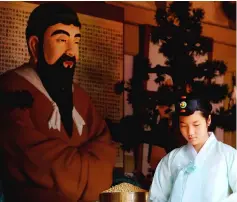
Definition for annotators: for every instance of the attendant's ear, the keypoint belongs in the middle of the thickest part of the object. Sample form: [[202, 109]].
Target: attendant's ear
[[33, 44], [209, 120]]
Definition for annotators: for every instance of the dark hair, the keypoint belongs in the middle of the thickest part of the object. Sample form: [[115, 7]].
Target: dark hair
[[188, 104], [49, 14]]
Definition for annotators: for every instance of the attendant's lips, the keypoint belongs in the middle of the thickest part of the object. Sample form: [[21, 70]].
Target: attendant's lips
[[68, 64]]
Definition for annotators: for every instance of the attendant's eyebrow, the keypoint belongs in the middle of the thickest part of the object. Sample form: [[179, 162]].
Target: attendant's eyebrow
[[59, 31]]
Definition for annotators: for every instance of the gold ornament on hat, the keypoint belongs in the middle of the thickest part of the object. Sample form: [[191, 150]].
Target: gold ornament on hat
[[183, 105]]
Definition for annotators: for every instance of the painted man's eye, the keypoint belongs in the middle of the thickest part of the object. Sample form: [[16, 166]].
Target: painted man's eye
[[61, 40]]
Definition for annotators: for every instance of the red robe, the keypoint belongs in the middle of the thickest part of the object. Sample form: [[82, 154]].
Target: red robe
[[44, 164]]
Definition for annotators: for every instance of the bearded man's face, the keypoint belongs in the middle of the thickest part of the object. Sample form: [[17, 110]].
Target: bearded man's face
[[58, 54], [61, 39]]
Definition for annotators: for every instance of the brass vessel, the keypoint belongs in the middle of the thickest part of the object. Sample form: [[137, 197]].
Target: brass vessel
[[124, 197]]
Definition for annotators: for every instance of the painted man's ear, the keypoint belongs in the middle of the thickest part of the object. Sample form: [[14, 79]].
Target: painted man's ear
[[33, 43]]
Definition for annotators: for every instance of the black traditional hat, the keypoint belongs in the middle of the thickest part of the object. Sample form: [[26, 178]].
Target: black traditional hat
[[188, 104]]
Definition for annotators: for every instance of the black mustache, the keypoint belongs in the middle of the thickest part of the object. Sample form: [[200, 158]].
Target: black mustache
[[66, 57]]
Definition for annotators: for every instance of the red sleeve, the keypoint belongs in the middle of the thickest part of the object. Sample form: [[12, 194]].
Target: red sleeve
[[103, 151]]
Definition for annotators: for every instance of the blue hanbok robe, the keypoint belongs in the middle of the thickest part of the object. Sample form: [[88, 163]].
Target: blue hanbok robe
[[184, 175]]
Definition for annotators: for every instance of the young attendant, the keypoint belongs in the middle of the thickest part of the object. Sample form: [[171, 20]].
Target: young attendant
[[204, 170]]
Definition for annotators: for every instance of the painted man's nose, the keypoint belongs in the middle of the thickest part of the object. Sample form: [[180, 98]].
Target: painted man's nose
[[69, 53]]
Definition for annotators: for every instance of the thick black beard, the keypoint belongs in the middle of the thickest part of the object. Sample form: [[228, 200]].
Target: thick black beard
[[58, 81]]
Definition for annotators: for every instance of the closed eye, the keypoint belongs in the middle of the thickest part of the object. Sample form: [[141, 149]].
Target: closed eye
[[61, 40]]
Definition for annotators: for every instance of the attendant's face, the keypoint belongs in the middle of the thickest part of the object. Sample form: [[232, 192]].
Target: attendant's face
[[194, 128], [59, 40]]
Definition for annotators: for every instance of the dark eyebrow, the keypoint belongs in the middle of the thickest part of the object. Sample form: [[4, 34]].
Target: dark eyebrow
[[59, 31], [77, 35]]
